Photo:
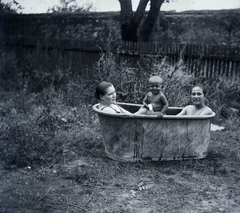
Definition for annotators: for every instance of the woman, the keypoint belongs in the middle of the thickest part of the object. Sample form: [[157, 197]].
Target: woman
[[105, 92], [198, 107]]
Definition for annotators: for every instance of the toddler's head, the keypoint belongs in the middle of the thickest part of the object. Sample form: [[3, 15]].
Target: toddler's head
[[155, 83], [155, 80]]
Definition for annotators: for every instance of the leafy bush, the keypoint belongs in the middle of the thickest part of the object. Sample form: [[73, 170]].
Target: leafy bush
[[130, 80], [6, 8], [222, 95], [177, 80]]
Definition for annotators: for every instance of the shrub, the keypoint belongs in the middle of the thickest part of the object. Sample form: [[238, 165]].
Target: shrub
[[177, 80], [222, 94], [130, 80]]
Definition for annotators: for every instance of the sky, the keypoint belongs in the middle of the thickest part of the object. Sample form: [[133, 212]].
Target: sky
[[41, 6]]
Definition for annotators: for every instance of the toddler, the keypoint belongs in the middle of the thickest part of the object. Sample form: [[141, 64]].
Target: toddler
[[155, 101]]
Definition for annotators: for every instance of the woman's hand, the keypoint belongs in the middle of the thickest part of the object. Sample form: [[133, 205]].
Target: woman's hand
[[128, 115]]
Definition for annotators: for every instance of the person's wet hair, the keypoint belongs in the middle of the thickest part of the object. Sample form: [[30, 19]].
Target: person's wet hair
[[101, 88], [200, 86]]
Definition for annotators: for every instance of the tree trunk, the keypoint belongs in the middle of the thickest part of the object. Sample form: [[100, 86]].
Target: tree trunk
[[126, 16], [150, 21], [136, 20], [131, 22]]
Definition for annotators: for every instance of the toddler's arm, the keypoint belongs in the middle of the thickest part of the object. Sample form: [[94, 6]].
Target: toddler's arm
[[165, 104], [145, 101]]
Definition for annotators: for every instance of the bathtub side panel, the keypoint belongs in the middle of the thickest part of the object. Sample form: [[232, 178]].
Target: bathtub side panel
[[164, 139], [198, 137], [154, 140], [175, 139], [122, 138], [176, 136]]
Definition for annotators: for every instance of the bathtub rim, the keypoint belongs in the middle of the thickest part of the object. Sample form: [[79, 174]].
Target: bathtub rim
[[154, 117]]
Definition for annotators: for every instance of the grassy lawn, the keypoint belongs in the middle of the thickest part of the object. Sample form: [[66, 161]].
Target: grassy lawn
[[53, 160]]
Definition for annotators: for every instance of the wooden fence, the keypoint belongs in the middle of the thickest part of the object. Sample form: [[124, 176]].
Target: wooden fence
[[206, 61], [78, 56]]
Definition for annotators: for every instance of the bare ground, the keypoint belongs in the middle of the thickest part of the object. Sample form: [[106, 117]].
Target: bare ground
[[93, 183]]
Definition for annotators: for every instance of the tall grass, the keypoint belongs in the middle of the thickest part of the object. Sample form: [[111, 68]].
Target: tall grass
[[42, 129]]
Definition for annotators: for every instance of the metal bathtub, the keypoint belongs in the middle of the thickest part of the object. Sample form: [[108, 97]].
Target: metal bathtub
[[172, 137]]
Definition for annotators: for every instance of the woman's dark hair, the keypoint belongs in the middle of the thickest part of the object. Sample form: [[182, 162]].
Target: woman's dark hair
[[201, 86], [101, 88]]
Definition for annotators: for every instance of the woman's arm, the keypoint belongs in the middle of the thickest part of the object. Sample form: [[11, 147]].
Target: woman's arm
[[109, 110]]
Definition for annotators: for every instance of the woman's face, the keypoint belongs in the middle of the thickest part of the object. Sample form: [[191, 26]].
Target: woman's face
[[109, 97], [197, 96]]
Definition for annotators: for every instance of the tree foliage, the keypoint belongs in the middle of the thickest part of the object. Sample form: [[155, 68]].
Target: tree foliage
[[6, 8], [70, 6], [138, 25]]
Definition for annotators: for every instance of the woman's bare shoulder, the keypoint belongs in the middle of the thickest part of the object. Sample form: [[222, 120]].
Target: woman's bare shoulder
[[189, 107], [207, 111], [107, 109]]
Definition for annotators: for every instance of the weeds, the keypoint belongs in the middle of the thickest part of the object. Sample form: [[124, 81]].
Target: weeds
[[43, 133], [131, 80], [221, 96]]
